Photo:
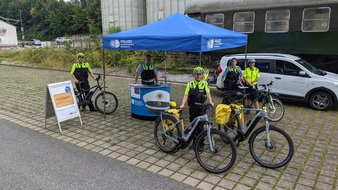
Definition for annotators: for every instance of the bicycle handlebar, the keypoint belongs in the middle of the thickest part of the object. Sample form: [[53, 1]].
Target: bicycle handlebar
[[266, 85], [205, 106], [98, 78]]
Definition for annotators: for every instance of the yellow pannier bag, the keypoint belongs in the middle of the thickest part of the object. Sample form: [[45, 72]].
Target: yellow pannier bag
[[222, 114], [175, 112], [241, 116]]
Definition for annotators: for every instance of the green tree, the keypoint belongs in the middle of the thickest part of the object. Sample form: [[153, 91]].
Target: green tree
[[94, 17], [79, 21], [48, 19]]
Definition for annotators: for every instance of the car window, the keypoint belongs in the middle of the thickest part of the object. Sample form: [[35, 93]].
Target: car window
[[310, 67], [287, 68], [263, 65]]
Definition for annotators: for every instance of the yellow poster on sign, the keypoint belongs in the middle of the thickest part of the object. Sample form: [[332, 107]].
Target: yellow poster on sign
[[63, 99]]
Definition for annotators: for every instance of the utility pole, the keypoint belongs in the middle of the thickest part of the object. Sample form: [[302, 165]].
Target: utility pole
[[23, 35]]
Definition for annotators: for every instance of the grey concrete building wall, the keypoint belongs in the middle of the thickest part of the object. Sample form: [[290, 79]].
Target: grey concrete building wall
[[129, 14], [159, 9], [126, 14]]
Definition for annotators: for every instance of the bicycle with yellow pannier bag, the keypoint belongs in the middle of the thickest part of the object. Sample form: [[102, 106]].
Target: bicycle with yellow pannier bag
[[214, 150], [270, 146]]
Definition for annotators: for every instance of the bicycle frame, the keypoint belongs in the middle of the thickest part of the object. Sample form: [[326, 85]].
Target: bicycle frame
[[191, 127], [264, 95], [245, 130], [91, 93], [187, 133]]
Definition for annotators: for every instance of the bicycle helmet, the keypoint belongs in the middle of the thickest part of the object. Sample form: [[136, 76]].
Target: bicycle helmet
[[252, 60], [198, 70], [80, 55]]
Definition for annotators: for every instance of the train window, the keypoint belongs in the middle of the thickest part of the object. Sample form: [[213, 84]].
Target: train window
[[195, 16], [244, 22], [316, 19], [215, 19], [277, 21]]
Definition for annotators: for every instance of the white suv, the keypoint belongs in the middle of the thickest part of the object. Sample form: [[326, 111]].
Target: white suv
[[293, 78]]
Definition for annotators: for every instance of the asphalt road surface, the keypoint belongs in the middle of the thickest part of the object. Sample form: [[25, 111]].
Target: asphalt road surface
[[30, 160]]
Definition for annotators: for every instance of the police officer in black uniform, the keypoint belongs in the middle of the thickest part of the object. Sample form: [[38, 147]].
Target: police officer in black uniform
[[232, 76], [148, 72], [79, 73]]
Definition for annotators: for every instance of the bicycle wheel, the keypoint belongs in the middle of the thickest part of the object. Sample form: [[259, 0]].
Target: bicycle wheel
[[106, 102], [166, 132], [215, 155], [275, 109], [278, 154]]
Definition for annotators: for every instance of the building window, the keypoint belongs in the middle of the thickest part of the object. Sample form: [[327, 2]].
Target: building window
[[244, 22], [277, 21], [316, 19], [215, 19]]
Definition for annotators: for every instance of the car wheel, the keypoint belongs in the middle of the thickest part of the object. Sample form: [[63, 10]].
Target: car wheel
[[320, 101]]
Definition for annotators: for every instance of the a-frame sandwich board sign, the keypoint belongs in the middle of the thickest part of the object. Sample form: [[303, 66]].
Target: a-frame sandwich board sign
[[61, 102]]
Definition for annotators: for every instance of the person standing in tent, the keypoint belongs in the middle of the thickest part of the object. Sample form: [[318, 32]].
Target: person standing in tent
[[79, 73], [148, 72], [232, 76], [196, 91]]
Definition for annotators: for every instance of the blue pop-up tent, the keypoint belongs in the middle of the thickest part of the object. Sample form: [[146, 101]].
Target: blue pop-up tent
[[175, 33]]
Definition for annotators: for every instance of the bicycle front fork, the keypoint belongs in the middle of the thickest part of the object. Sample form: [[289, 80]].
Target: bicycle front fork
[[211, 139], [267, 130], [271, 104]]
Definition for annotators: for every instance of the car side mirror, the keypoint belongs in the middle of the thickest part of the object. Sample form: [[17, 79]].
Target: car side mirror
[[302, 73]]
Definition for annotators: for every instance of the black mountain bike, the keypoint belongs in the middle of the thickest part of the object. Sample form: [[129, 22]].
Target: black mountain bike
[[105, 102], [275, 107]]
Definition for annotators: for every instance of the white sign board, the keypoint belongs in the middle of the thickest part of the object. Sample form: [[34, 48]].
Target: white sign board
[[61, 96]]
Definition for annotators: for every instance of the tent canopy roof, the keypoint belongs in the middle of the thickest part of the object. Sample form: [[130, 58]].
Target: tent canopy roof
[[175, 33]]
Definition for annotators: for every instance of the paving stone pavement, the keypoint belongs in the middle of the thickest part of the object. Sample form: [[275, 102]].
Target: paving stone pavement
[[129, 140]]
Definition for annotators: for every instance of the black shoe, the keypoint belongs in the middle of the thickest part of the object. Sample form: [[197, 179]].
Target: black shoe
[[93, 110], [200, 147], [193, 145]]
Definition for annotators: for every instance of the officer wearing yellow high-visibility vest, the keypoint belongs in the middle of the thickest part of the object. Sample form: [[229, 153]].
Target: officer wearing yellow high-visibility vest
[[231, 76], [196, 91], [79, 73], [148, 72], [251, 77]]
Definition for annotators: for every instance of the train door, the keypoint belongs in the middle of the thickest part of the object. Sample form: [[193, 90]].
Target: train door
[[287, 81]]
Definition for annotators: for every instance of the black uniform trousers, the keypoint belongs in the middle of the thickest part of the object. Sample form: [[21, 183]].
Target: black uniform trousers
[[195, 111], [230, 85], [86, 90]]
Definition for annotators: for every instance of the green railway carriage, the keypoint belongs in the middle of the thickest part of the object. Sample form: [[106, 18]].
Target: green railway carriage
[[307, 28]]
